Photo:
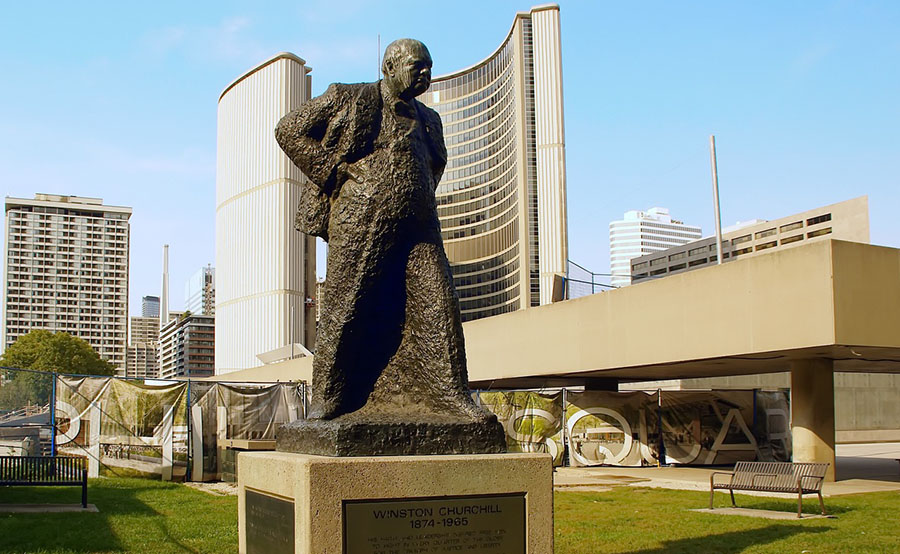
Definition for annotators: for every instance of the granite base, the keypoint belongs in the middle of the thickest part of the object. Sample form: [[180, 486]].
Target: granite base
[[484, 503]]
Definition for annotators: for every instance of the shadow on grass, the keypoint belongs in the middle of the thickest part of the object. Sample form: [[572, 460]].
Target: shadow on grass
[[810, 506], [734, 541], [780, 504], [75, 532]]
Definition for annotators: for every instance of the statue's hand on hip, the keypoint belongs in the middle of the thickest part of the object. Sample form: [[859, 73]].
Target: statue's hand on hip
[[350, 172]]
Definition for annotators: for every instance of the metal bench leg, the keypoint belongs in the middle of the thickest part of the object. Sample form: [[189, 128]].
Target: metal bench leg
[[799, 504], [711, 493], [822, 504], [731, 491], [84, 489]]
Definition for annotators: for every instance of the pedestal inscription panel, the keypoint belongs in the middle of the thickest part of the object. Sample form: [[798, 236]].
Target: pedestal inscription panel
[[479, 524], [270, 524]]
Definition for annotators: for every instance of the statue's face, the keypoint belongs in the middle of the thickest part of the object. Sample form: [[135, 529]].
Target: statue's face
[[410, 73]]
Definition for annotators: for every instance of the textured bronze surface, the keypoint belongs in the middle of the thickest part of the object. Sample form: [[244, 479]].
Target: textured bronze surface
[[352, 436], [390, 359], [476, 524], [270, 524]]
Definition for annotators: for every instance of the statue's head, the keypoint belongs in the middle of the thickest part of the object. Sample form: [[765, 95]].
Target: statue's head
[[407, 68]]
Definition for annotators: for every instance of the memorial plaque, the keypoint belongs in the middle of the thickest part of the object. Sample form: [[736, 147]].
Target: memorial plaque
[[270, 524], [492, 524]]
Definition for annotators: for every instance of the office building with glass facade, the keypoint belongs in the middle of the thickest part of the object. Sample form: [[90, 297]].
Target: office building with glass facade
[[200, 292], [502, 198], [150, 306]]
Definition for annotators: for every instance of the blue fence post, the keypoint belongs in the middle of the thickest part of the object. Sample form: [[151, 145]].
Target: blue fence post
[[53, 416]]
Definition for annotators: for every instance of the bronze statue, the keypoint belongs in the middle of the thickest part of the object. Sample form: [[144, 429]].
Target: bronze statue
[[389, 373]]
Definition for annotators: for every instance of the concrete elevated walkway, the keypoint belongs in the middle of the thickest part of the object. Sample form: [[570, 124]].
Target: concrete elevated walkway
[[832, 300], [812, 310]]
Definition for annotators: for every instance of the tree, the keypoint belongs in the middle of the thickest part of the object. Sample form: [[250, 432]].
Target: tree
[[45, 352]]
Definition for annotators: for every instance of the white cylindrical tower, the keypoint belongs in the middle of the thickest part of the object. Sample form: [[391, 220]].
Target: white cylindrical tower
[[264, 267]]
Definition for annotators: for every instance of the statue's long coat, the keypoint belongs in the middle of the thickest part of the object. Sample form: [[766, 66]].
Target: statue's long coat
[[390, 330]]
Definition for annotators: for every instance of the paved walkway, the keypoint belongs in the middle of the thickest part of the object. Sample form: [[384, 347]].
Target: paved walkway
[[860, 468]]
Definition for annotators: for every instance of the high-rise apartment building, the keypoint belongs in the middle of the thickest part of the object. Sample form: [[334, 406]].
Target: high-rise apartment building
[[150, 306], [67, 270], [266, 268], [143, 330], [502, 198], [200, 292], [141, 357], [643, 232], [187, 347]]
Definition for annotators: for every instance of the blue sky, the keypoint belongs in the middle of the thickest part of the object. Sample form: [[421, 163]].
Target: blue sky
[[118, 100]]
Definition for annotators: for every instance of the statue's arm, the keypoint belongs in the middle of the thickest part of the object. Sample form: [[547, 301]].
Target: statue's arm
[[306, 134], [439, 159]]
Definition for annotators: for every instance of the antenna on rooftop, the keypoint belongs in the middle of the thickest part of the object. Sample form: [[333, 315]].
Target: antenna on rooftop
[[164, 300], [715, 183]]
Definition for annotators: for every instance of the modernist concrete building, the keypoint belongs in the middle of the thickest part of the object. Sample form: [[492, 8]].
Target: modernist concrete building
[[812, 311], [67, 270], [187, 347], [502, 199], [642, 232], [266, 269], [858, 394], [848, 220], [200, 292]]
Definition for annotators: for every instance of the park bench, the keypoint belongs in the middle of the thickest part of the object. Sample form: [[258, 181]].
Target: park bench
[[787, 477], [36, 471]]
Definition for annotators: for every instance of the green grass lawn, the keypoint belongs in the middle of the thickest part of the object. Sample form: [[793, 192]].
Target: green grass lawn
[[145, 516], [659, 521], [136, 515]]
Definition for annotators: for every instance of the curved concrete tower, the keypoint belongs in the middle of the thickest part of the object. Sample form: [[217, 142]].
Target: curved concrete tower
[[265, 269]]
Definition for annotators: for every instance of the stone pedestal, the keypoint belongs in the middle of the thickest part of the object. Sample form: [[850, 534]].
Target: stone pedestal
[[395, 504]]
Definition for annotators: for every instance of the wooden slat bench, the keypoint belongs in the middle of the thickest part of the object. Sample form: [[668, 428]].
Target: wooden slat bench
[[34, 471], [797, 478]]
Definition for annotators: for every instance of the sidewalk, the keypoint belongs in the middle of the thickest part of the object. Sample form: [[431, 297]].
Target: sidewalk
[[860, 468]]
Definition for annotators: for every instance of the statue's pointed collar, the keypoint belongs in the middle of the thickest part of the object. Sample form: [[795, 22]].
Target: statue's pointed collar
[[397, 104]]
